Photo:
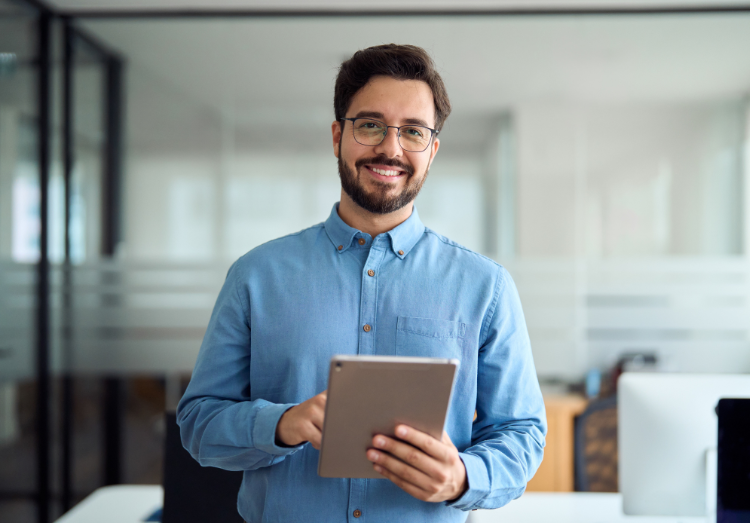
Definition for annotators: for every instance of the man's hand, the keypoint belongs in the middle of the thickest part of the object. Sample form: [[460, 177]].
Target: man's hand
[[303, 422], [424, 467]]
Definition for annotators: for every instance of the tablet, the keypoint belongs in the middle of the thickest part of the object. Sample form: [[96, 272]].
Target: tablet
[[370, 395]]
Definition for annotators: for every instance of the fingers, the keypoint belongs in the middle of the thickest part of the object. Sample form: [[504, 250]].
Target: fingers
[[397, 468], [404, 485], [316, 415], [316, 418], [303, 422], [314, 435], [408, 454], [437, 449], [320, 399], [424, 467]]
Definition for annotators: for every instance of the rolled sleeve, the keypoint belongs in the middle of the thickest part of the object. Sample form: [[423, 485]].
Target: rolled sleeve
[[264, 429], [478, 480]]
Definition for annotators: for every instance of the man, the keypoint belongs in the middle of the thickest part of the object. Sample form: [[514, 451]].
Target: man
[[370, 280]]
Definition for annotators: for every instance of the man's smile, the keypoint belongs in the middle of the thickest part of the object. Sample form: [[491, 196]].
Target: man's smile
[[385, 172]]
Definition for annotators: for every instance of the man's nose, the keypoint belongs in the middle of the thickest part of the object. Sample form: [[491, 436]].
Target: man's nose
[[389, 146]]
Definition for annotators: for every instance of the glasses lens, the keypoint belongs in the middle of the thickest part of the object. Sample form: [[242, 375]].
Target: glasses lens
[[368, 132], [415, 138]]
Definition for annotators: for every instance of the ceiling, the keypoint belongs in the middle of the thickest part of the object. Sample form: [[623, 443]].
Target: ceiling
[[280, 71], [129, 5]]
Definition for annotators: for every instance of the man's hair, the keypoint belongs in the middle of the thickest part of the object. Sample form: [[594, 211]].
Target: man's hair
[[402, 62]]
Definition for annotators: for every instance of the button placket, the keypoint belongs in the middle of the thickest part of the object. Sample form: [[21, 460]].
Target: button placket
[[369, 296], [367, 318], [357, 500]]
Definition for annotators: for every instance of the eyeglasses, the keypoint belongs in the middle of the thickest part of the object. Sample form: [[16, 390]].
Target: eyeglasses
[[411, 138]]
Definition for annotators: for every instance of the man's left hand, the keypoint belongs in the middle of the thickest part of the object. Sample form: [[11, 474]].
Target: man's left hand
[[424, 467]]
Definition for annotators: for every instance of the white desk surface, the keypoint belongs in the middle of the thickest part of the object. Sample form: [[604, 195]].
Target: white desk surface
[[117, 504], [568, 507], [134, 503]]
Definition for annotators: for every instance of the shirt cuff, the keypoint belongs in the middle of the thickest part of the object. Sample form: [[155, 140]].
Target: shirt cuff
[[478, 480], [264, 429]]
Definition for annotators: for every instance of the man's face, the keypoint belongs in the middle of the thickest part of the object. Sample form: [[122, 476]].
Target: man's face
[[384, 178]]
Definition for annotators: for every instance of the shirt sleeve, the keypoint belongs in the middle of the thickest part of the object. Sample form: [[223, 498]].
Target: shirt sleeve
[[219, 425], [508, 435]]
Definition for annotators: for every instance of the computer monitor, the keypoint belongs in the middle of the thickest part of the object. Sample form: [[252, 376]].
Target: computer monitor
[[733, 500], [667, 426]]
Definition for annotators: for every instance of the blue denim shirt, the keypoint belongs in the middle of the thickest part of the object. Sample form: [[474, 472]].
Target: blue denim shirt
[[291, 304]]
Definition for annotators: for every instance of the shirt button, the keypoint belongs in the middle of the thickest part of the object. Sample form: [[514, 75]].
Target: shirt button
[[367, 327], [357, 513], [362, 241], [371, 273], [340, 247], [401, 253]]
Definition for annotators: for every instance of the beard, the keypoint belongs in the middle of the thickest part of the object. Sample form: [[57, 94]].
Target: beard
[[379, 201]]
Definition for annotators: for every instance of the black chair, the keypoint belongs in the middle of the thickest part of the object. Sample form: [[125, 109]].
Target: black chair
[[195, 494], [596, 447]]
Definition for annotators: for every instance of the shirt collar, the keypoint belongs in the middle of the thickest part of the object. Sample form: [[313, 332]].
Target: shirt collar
[[403, 237]]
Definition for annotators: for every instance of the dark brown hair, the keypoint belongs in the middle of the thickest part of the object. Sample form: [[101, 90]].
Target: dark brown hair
[[402, 62]]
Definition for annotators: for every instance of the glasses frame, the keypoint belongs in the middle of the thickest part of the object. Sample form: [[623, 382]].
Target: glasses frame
[[433, 133]]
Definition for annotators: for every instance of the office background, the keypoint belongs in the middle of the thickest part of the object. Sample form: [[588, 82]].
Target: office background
[[599, 153]]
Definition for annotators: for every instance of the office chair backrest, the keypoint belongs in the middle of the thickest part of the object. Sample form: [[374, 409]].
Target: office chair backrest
[[596, 457], [195, 494]]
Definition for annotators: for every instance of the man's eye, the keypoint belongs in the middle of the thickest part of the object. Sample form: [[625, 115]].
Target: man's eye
[[414, 132], [369, 126]]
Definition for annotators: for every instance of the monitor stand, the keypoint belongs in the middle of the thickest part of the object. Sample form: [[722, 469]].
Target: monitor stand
[[712, 467]]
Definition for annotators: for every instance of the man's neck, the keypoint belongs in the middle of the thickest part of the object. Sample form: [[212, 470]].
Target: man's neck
[[373, 224]]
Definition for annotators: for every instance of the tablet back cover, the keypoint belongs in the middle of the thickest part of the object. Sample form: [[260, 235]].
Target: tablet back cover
[[370, 395]]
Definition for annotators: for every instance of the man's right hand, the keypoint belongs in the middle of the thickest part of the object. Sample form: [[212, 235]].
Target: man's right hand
[[303, 422]]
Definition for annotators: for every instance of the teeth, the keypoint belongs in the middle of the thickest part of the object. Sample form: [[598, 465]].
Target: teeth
[[387, 173]]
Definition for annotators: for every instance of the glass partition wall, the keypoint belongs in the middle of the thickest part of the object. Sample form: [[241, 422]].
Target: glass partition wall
[[598, 157], [592, 155], [19, 256], [59, 153]]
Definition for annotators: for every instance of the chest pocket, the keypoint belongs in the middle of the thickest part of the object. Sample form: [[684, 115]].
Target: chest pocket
[[429, 338]]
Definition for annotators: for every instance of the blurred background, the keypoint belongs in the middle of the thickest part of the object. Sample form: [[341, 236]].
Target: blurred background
[[598, 150]]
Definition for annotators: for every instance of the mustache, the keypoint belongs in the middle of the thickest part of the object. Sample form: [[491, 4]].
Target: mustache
[[384, 160]]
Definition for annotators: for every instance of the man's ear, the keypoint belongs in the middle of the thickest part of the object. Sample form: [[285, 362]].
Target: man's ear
[[336, 135], [433, 151]]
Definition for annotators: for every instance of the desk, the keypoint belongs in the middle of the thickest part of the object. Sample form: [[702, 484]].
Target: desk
[[133, 503], [568, 507], [117, 504], [556, 473]]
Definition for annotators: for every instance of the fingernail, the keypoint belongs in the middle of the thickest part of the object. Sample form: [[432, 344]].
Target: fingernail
[[372, 455], [378, 468], [401, 431], [379, 442]]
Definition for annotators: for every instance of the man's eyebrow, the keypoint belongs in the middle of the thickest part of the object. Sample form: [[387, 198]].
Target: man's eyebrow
[[380, 116], [416, 121], [369, 114]]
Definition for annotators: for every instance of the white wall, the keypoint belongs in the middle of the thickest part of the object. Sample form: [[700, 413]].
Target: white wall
[[196, 208], [624, 181], [608, 199]]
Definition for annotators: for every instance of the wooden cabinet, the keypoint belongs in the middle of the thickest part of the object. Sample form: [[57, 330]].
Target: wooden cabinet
[[556, 473]]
